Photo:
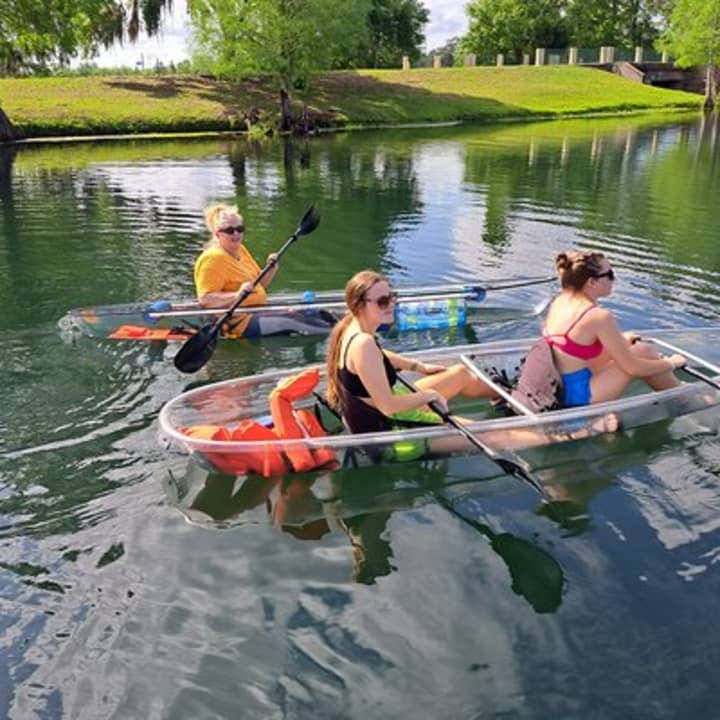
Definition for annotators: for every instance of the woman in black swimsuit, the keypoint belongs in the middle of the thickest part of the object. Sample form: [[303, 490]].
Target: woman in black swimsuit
[[361, 375]]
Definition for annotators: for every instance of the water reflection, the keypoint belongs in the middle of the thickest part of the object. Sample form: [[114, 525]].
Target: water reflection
[[359, 504]]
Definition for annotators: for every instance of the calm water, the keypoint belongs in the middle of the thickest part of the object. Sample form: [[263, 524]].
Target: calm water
[[133, 585]]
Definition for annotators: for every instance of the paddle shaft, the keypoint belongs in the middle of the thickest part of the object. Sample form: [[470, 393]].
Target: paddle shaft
[[700, 376], [689, 356], [509, 466]]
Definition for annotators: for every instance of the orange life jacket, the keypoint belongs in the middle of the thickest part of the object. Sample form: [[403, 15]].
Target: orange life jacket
[[288, 423]]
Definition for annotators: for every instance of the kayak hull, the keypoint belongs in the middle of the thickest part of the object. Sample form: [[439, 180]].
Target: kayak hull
[[306, 313], [137, 322], [227, 404]]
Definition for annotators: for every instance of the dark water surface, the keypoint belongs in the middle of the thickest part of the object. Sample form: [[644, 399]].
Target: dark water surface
[[134, 585]]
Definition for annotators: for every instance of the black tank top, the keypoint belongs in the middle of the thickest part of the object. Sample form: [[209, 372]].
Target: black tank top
[[360, 416]]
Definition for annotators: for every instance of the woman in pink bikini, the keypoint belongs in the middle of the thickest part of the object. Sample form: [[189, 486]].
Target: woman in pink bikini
[[597, 361]]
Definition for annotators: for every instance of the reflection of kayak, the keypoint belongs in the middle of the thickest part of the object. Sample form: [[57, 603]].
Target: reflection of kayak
[[307, 313], [227, 424], [359, 505]]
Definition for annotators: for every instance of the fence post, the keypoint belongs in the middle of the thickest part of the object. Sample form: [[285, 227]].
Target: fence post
[[539, 56], [437, 61], [638, 54], [607, 54], [499, 60], [665, 57], [406, 62], [572, 56], [526, 58], [470, 60]]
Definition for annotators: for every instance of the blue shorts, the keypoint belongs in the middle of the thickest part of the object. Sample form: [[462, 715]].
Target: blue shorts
[[576, 388], [253, 327]]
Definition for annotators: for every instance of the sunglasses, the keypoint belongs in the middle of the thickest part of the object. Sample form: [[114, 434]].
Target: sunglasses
[[383, 302], [232, 229], [609, 274]]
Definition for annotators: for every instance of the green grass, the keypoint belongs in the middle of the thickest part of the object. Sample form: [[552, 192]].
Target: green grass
[[136, 104]]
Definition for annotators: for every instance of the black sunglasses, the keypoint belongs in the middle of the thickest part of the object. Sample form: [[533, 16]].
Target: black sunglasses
[[383, 302], [609, 274], [232, 229]]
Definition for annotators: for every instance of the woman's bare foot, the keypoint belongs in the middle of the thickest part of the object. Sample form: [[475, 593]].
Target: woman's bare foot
[[609, 423]]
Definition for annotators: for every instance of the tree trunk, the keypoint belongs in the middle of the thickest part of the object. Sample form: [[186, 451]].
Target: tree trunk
[[7, 130], [286, 114], [709, 88]]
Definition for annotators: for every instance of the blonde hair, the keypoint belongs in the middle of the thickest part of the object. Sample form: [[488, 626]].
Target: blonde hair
[[576, 267], [216, 216], [356, 291]]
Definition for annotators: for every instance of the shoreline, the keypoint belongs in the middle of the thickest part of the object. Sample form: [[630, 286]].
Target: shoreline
[[350, 128]]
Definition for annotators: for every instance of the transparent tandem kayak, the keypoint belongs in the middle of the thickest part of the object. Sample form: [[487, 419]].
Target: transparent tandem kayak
[[308, 313], [227, 404]]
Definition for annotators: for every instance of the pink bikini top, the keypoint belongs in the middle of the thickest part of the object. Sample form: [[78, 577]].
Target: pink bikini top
[[572, 348]]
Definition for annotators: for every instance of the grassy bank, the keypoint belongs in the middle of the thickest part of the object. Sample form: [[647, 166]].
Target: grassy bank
[[141, 104]]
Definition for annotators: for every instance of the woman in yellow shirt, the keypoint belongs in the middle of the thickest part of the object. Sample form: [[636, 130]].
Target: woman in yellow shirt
[[226, 268]]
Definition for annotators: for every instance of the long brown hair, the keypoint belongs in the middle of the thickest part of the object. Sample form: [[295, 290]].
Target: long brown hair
[[356, 291], [577, 267]]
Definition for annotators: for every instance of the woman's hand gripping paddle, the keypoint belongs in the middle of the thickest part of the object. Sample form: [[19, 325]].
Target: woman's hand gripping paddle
[[508, 466], [197, 350]]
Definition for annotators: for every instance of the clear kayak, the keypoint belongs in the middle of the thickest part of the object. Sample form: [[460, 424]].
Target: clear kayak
[[306, 313], [231, 427]]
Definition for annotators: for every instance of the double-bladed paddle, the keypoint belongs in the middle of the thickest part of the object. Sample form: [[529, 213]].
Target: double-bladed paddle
[[197, 350], [511, 467]]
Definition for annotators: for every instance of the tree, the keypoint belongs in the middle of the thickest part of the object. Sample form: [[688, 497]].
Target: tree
[[621, 23], [35, 34], [287, 39], [395, 29], [513, 27], [694, 39]]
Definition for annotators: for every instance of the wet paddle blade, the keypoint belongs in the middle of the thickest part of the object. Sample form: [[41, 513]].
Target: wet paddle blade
[[197, 350], [310, 220]]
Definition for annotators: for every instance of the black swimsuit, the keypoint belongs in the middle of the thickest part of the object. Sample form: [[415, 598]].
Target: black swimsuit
[[360, 416]]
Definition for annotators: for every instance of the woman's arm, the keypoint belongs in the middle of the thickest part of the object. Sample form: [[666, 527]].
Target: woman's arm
[[619, 349], [400, 362], [212, 274], [221, 298], [365, 359], [265, 282]]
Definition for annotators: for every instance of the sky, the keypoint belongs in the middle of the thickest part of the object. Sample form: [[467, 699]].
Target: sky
[[447, 19]]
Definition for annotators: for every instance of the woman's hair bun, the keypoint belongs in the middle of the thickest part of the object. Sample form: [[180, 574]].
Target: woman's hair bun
[[562, 262]]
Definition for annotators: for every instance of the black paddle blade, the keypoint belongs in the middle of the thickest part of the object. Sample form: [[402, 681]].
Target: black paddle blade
[[310, 220], [197, 350]]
